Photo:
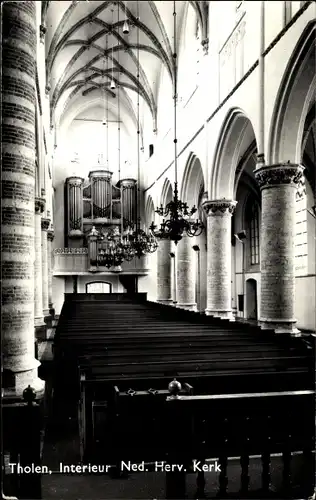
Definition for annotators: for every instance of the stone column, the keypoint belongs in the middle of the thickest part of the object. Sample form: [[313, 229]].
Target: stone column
[[164, 272], [219, 294], [38, 272], [44, 226], [278, 184], [50, 238], [186, 274], [18, 194]]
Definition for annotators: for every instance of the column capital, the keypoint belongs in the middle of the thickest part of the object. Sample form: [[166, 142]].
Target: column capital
[[278, 174], [219, 207], [39, 205], [45, 224], [50, 234]]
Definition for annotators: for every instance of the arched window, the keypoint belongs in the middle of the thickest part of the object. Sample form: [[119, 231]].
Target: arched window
[[252, 218], [98, 287]]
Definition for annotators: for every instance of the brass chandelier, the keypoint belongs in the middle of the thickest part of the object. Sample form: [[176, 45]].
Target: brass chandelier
[[179, 222]]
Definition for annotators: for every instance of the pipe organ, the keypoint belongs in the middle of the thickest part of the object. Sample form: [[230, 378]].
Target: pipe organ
[[96, 202]]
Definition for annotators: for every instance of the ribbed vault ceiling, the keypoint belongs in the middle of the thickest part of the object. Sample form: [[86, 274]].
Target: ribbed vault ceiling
[[86, 47]]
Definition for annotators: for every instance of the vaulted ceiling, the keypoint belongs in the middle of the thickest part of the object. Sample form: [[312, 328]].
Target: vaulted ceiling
[[86, 49]]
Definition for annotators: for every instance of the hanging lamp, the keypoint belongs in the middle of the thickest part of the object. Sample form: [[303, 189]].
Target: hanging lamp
[[179, 221], [142, 242], [125, 25]]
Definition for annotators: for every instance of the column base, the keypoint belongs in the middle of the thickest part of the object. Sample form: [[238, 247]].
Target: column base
[[45, 313], [165, 301], [188, 307], [14, 383], [279, 327], [222, 314]]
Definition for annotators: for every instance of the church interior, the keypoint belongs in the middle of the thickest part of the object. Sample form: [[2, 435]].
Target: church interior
[[158, 246]]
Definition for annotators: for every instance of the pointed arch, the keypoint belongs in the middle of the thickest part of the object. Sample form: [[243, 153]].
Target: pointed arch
[[193, 179], [297, 91], [166, 193], [236, 135], [149, 211]]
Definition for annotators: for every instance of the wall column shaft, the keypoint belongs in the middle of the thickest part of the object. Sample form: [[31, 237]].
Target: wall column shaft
[[278, 184], [50, 238], [18, 195], [164, 271], [219, 294], [44, 226], [186, 274]]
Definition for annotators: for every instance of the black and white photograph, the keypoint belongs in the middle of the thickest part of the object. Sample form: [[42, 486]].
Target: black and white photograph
[[158, 249]]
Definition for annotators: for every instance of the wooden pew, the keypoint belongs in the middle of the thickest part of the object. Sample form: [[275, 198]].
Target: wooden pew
[[101, 420], [239, 425]]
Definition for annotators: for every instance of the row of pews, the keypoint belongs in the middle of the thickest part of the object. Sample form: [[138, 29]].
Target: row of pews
[[116, 354]]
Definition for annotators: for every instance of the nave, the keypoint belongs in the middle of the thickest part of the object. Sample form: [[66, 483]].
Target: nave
[[110, 401]]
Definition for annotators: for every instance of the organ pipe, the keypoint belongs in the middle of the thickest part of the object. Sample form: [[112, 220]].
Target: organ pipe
[[128, 201], [101, 193], [75, 206]]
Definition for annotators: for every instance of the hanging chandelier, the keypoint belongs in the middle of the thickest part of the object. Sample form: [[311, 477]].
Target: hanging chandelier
[[142, 242], [114, 249], [179, 221]]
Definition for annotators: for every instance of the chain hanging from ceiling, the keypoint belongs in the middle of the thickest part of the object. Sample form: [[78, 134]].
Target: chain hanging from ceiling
[[179, 221], [142, 242], [114, 245]]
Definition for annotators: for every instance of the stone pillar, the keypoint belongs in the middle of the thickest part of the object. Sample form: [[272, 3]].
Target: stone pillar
[[186, 274], [44, 226], [278, 184], [38, 272], [18, 194], [128, 202], [164, 272], [50, 238], [219, 293]]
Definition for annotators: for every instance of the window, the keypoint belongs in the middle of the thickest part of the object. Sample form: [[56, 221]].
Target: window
[[253, 230], [98, 287]]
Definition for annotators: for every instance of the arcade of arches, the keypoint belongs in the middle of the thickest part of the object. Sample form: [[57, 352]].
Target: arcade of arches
[[246, 158]]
